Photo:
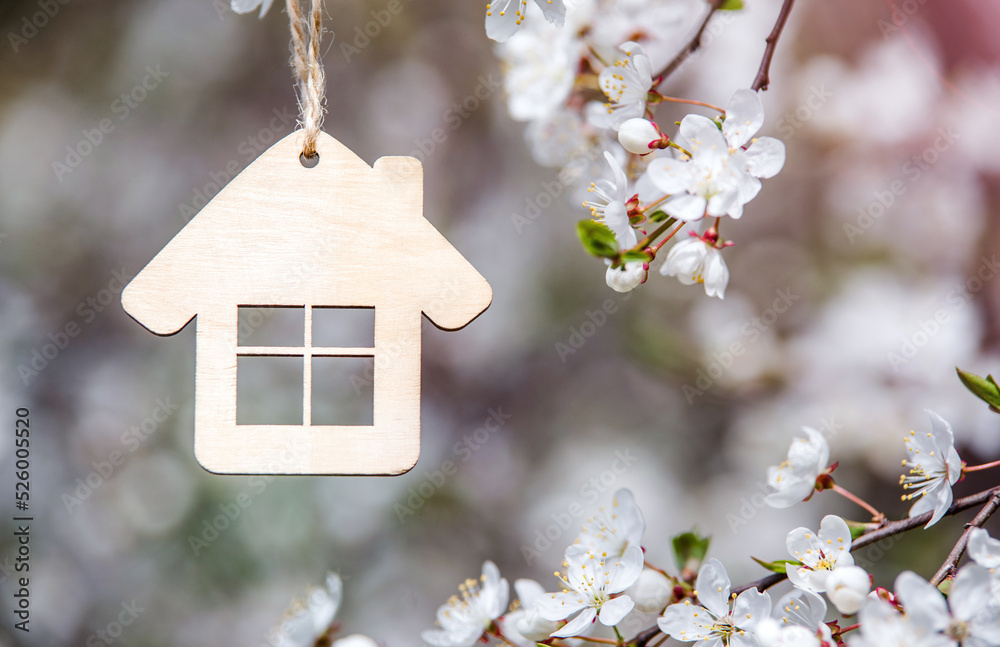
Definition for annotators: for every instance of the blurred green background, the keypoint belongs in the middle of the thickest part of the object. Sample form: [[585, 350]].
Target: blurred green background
[[883, 218]]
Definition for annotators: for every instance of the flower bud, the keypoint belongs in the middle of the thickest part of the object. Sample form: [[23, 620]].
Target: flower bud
[[651, 592], [847, 587], [626, 277], [637, 134]]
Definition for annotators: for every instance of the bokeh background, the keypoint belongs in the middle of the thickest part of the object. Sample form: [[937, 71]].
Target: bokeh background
[[893, 131]]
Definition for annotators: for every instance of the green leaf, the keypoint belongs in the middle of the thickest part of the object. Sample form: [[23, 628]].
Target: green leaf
[[777, 566], [986, 389], [660, 216], [858, 528], [597, 239], [690, 549], [633, 255], [731, 5]]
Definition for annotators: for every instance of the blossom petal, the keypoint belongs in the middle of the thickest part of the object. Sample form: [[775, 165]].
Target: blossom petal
[[970, 592], [803, 545], [765, 157], [713, 587], [716, 274], [750, 607], [744, 117], [503, 18], [685, 260], [686, 207], [701, 132], [614, 611], [558, 606], [528, 591], [835, 540], [983, 549], [553, 10], [577, 625], [924, 604], [685, 621], [626, 569], [670, 175]]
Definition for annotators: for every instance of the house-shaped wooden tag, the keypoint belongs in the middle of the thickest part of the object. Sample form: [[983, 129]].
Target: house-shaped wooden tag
[[340, 234]]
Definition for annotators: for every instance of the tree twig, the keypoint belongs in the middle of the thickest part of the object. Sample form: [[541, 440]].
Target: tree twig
[[991, 497], [692, 45], [763, 79], [959, 549]]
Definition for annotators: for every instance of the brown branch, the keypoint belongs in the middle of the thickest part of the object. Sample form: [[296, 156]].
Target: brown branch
[[762, 79], [956, 553], [692, 45], [991, 497]]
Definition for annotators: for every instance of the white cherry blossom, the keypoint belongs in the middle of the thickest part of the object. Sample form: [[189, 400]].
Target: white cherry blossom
[[695, 261], [969, 616], [765, 156], [795, 478], [712, 181], [820, 553], [463, 620], [713, 622], [593, 586], [540, 64], [309, 618], [615, 530], [934, 466], [881, 625], [504, 17], [627, 84], [797, 621], [608, 204]]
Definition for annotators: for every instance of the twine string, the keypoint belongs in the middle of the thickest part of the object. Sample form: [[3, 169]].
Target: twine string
[[310, 82]]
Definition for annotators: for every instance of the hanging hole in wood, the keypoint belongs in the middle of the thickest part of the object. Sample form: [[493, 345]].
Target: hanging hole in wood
[[309, 161]]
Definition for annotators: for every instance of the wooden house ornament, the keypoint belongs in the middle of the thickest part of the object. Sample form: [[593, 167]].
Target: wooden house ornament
[[340, 234]]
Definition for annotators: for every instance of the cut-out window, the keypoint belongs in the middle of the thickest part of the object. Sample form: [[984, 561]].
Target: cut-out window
[[269, 390], [291, 372], [267, 326], [342, 391], [343, 327]]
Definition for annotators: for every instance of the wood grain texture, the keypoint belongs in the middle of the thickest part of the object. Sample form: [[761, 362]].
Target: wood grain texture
[[339, 234]]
